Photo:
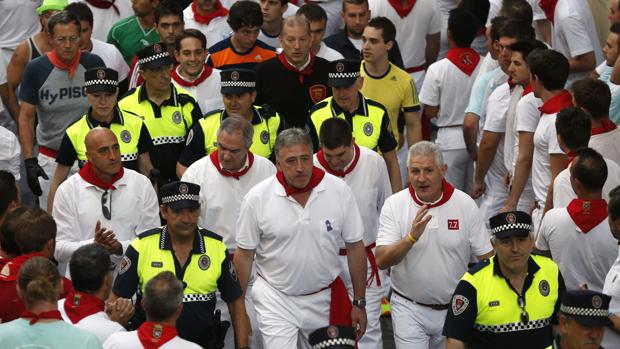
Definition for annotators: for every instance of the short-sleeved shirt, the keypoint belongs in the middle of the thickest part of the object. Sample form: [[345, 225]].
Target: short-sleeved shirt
[[98, 323], [223, 55], [19, 21], [614, 107], [607, 144], [10, 152], [54, 335], [216, 31], [563, 192], [497, 108], [129, 37], [545, 145], [611, 339], [205, 89], [112, 57], [130, 340], [104, 18]]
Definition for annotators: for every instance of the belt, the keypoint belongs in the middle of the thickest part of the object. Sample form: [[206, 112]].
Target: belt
[[449, 126], [416, 69], [432, 306], [48, 152], [374, 270]]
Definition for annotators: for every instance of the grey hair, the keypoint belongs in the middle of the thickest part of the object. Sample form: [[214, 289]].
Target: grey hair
[[290, 137], [162, 296], [425, 148], [294, 21], [237, 124]]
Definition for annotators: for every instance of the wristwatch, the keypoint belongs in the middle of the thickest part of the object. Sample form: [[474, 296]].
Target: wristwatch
[[360, 303]]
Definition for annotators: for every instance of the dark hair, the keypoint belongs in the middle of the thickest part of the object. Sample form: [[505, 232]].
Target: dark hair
[[496, 24], [31, 227], [593, 95], [88, 266], [519, 10], [168, 8], [334, 133], [462, 26], [613, 206], [573, 125], [81, 10], [550, 66], [479, 8], [312, 12], [615, 28], [63, 17], [8, 188], [590, 169], [38, 280], [519, 30], [245, 13], [190, 33], [526, 47], [162, 296], [388, 30], [354, 2]]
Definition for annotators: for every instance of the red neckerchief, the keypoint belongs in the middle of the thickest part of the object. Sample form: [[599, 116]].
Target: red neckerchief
[[557, 103], [55, 60], [206, 72], [4, 261], [527, 89], [320, 155], [306, 71], [571, 155], [235, 175], [34, 318], [587, 214], [11, 269], [447, 191], [220, 11], [88, 174], [104, 4], [548, 7], [466, 59], [317, 177], [402, 11], [79, 305], [153, 335], [511, 84], [606, 126]]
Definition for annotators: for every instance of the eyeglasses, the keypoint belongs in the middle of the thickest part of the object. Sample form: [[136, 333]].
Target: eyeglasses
[[107, 211], [525, 317]]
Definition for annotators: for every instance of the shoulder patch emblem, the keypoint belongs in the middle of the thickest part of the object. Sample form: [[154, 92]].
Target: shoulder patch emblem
[[543, 287], [459, 304], [190, 136], [125, 265], [264, 137], [125, 136], [204, 262], [368, 128], [233, 271], [176, 117]]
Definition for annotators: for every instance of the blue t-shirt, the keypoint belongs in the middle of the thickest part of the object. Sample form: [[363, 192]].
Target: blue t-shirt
[[482, 87], [53, 335], [614, 107]]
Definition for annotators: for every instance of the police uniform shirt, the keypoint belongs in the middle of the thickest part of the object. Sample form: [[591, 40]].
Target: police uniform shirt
[[370, 123], [202, 138], [131, 133], [167, 123], [208, 268], [221, 201], [485, 311]]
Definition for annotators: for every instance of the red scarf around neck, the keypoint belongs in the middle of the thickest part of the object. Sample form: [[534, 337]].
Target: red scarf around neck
[[88, 174], [55, 60], [307, 71], [225, 173], [447, 191], [401, 10], [153, 335], [79, 305], [11, 269], [606, 126], [556, 103], [220, 11], [320, 155], [527, 89], [587, 214], [206, 72], [465, 58], [317, 177], [103, 4], [34, 318], [548, 7]]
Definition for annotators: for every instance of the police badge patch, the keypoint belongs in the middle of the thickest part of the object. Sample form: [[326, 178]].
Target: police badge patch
[[264, 137], [157, 48], [176, 117], [125, 136], [339, 67], [543, 287], [459, 304], [100, 74], [597, 302], [332, 332], [234, 76], [511, 218], [368, 128], [125, 265], [183, 189], [204, 262]]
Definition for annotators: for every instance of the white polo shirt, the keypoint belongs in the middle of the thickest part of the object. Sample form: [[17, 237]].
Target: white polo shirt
[[611, 339], [328, 53], [445, 85], [370, 183], [98, 324], [77, 208], [216, 31], [437, 261], [220, 196], [297, 247], [607, 144], [497, 109], [581, 257], [130, 340], [207, 93], [9, 152], [112, 58], [563, 192], [104, 19]]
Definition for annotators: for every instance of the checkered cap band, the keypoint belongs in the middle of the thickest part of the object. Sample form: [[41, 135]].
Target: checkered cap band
[[198, 297], [514, 327], [334, 341], [576, 311], [101, 82], [513, 226], [129, 157], [154, 57], [247, 84], [168, 140], [179, 197], [349, 75]]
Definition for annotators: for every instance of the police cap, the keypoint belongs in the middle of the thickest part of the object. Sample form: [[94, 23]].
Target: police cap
[[507, 224], [178, 195], [154, 56], [333, 337], [101, 80], [589, 308], [343, 72], [237, 81]]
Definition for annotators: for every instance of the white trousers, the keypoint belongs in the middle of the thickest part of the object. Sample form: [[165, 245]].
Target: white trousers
[[416, 326], [460, 168], [490, 203]]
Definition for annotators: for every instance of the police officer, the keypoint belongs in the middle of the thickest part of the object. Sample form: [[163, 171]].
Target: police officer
[[507, 301], [197, 257], [583, 317], [238, 88], [168, 111], [368, 119], [333, 337], [101, 86]]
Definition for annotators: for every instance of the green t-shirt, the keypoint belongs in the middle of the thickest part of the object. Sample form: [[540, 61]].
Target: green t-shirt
[[54, 335], [129, 37]]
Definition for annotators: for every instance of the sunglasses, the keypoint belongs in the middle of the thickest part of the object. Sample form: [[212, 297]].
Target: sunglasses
[[525, 317], [107, 211]]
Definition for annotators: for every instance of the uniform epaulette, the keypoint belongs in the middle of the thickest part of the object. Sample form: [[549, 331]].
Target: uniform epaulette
[[479, 266], [267, 111], [149, 233], [185, 98], [317, 107], [209, 233], [128, 93], [212, 112]]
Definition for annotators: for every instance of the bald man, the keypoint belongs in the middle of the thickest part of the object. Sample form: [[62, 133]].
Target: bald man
[[104, 203]]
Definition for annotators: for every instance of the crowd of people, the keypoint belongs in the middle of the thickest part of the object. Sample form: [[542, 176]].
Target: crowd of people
[[282, 174]]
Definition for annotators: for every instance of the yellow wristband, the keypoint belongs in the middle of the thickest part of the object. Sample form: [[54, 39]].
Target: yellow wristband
[[411, 238]]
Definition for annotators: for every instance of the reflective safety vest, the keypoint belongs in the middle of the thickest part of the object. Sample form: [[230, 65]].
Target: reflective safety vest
[[127, 131]]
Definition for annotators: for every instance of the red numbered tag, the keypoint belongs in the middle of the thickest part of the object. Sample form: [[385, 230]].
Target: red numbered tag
[[453, 224]]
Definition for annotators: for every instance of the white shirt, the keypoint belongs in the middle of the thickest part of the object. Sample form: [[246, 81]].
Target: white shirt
[[607, 144], [112, 57], [445, 85], [611, 339], [297, 247], [328, 53], [216, 31], [77, 208], [582, 258], [9, 152], [487, 63], [220, 197], [130, 340], [563, 192], [434, 265], [207, 93], [512, 136], [495, 121], [19, 21], [98, 324], [273, 41], [370, 184], [104, 19], [545, 144]]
